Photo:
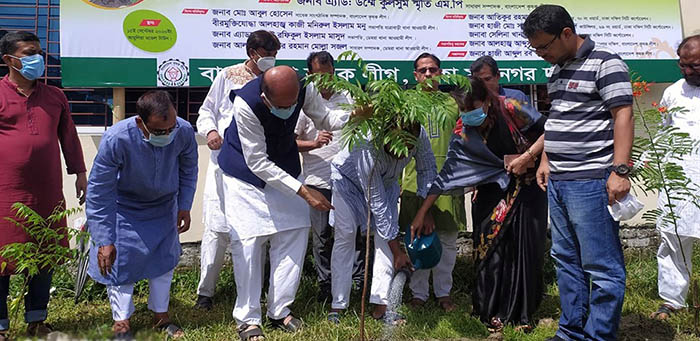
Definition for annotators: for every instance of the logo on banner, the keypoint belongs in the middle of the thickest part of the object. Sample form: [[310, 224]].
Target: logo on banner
[[173, 72]]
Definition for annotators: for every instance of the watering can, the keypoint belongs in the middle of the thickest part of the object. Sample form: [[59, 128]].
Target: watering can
[[425, 250]]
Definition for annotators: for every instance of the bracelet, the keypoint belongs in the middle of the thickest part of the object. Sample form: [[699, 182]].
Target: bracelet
[[531, 155]]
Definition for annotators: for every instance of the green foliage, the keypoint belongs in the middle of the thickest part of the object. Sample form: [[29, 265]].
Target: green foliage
[[393, 108], [44, 250]]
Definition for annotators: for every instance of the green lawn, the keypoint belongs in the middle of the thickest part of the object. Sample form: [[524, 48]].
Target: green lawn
[[91, 317]]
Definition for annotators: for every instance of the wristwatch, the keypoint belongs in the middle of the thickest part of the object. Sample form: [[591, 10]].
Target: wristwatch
[[622, 170]]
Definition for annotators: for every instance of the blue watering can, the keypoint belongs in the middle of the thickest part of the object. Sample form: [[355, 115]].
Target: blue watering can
[[425, 250]]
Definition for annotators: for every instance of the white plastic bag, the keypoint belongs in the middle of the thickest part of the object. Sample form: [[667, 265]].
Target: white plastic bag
[[626, 208]]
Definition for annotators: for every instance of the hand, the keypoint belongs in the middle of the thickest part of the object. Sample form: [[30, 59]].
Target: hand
[[106, 255], [315, 199], [363, 112], [183, 221], [214, 140], [543, 175], [519, 165], [618, 187], [423, 224], [401, 260], [81, 187], [323, 138]]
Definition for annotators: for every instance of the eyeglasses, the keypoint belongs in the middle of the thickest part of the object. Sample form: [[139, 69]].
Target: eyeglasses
[[161, 132], [694, 67], [543, 47], [424, 70]]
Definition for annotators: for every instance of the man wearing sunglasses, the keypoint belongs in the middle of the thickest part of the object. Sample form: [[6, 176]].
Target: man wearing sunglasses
[[448, 210], [584, 168], [140, 193], [674, 279]]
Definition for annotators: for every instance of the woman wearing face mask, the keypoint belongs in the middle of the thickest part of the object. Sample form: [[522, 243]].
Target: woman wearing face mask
[[496, 147]]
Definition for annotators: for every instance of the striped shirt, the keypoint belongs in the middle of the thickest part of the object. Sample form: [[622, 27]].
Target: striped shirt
[[578, 136]]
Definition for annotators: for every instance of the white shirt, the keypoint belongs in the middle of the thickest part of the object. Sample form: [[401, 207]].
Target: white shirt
[[276, 207], [682, 94], [215, 115], [317, 162]]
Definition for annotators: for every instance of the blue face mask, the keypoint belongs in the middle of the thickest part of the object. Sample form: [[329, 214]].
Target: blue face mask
[[32, 66], [280, 112], [473, 118], [160, 140]]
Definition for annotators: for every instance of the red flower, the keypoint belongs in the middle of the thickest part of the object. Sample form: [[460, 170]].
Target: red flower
[[654, 104], [663, 109]]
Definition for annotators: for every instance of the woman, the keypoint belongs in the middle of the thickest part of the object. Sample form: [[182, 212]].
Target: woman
[[497, 151]]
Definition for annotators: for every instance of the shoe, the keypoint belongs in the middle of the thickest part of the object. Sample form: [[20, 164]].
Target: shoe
[[204, 303], [39, 329], [292, 324]]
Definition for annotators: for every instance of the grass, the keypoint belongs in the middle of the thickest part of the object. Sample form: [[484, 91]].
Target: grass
[[91, 317]]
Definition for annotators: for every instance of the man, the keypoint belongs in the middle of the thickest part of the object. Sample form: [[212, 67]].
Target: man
[[486, 69], [214, 116], [265, 201], [448, 210], [318, 148], [674, 278], [139, 199], [352, 173], [588, 138], [35, 117]]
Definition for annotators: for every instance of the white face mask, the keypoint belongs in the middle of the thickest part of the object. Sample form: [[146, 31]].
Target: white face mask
[[265, 63], [626, 208]]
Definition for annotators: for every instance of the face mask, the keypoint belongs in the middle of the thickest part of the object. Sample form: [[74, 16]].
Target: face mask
[[473, 118], [32, 66], [626, 208], [265, 63], [279, 112], [159, 140]]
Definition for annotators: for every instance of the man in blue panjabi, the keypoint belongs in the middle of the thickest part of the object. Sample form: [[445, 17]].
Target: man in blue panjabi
[[140, 193]]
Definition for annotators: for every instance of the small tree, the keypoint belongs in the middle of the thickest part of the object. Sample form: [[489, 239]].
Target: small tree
[[393, 109], [44, 250], [656, 170]]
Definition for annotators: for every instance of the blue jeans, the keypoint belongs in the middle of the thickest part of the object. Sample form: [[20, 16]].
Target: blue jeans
[[589, 261], [35, 302]]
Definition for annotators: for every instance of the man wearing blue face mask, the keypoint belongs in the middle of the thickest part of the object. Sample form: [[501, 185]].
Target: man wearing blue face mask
[[34, 119], [140, 194], [265, 200]]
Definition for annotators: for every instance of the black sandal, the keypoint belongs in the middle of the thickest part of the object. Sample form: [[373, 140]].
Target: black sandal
[[172, 329], [246, 334], [292, 326], [391, 319], [663, 309]]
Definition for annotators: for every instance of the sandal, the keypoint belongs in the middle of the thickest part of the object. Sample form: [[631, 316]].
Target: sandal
[[664, 312], [172, 329], [292, 325], [447, 304], [39, 329], [416, 303], [391, 319], [334, 317], [495, 325], [250, 332], [4, 335], [523, 328]]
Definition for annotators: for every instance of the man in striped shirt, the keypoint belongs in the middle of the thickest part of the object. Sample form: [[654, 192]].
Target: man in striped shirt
[[588, 138]]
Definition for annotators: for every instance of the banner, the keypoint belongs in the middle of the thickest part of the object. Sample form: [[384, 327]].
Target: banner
[[174, 43]]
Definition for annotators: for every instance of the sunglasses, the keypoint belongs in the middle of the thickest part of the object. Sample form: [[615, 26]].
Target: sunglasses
[[424, 70]]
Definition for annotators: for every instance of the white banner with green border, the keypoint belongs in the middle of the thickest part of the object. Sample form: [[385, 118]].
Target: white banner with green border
[[174, 43]]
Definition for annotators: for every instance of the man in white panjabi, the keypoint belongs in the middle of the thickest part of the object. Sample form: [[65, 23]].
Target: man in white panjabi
[[265, 199], [214, 117], [673, 281]]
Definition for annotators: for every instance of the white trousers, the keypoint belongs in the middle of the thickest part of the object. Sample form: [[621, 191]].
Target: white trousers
[[212, 253], [442, 272], [343, 258], [287, 251], [673, 278], [122, 302]]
